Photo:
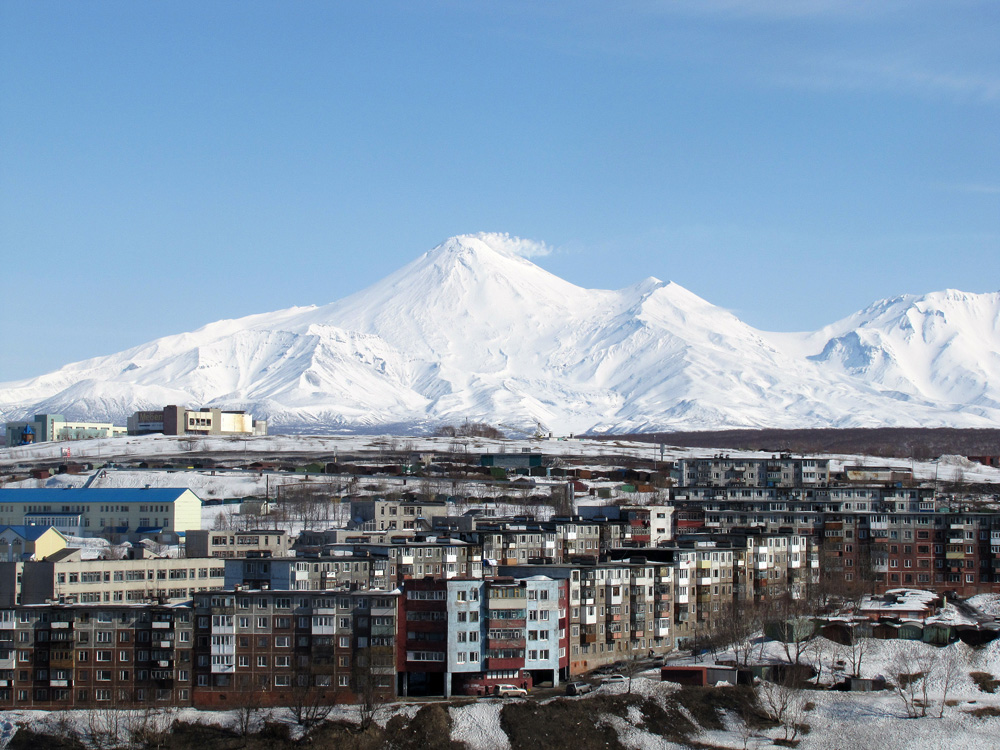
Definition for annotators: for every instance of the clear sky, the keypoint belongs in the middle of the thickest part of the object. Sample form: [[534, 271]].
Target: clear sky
[[167, 164]]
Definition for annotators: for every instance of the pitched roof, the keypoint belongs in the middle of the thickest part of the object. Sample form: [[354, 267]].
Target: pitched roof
[[30, 533]]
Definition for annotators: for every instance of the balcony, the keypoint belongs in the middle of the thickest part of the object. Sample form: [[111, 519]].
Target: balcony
[[493, 663], [60, 683], [506, 642], [162, 625]]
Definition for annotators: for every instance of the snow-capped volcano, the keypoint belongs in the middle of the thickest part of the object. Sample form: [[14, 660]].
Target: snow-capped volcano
[[474, 330]]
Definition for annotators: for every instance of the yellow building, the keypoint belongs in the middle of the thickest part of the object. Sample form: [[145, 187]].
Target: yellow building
[[102, 511], [18, 543]]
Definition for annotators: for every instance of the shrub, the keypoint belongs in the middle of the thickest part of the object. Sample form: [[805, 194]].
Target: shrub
[[985, 712], [985, 682]]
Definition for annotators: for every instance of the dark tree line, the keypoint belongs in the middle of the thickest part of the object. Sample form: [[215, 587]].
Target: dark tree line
[[890, 442]]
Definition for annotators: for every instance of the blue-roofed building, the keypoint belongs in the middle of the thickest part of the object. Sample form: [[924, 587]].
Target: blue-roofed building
[[19, 543], [96, 511]]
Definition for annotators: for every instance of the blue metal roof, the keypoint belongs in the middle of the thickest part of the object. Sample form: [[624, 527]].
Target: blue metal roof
[[90, 495], [31, 533]]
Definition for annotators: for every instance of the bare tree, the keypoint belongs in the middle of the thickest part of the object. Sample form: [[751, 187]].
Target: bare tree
[[949, 666], [631, 667], [370, 682], [855, 650], [736, 627], [248, 708], [783, 703], [312, 698], [911, 672], [790, 623], [104, 728], [817, 651]]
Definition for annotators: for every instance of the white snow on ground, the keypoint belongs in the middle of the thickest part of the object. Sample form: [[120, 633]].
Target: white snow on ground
[[988, 604], [633, 736], [250, 449], [478, 725]]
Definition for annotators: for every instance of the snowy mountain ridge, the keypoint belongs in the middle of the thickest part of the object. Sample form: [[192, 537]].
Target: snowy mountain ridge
[[474, 330]]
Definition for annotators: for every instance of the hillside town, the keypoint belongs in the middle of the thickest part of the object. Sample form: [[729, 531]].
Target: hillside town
[[406, 574]]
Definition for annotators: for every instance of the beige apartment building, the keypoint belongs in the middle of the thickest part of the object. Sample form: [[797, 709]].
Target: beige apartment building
[[256, 543], [94, 511], [65, 578]]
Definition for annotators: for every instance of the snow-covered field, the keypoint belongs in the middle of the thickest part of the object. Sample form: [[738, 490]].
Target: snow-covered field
[[247, 450]]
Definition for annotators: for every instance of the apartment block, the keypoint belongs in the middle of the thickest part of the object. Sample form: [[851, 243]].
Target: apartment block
[[778, 471], [57, 657], [66, 578], [254, 543], [91, 511], [275, 647]]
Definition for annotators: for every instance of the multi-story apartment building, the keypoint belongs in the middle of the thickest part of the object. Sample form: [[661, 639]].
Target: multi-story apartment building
[[776, 471], [66, 578], [253, 543], [122, 513], [91, 656], [464, 636], [310, 573], [380, 514], [617, 609], [275, 647]]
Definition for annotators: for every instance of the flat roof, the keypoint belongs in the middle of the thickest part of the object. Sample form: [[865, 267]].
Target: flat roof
[[92, 495]]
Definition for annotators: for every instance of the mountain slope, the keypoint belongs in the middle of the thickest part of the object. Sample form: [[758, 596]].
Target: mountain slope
[[472, 330]]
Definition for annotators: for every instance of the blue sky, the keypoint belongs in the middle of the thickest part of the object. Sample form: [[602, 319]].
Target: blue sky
[[167, 164]]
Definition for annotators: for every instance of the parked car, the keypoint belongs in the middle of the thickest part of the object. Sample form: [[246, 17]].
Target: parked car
[[611, 679], [578, 688], [509, 691]]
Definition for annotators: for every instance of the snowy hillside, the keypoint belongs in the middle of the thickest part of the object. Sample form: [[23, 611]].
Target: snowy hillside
[[473, 330]]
